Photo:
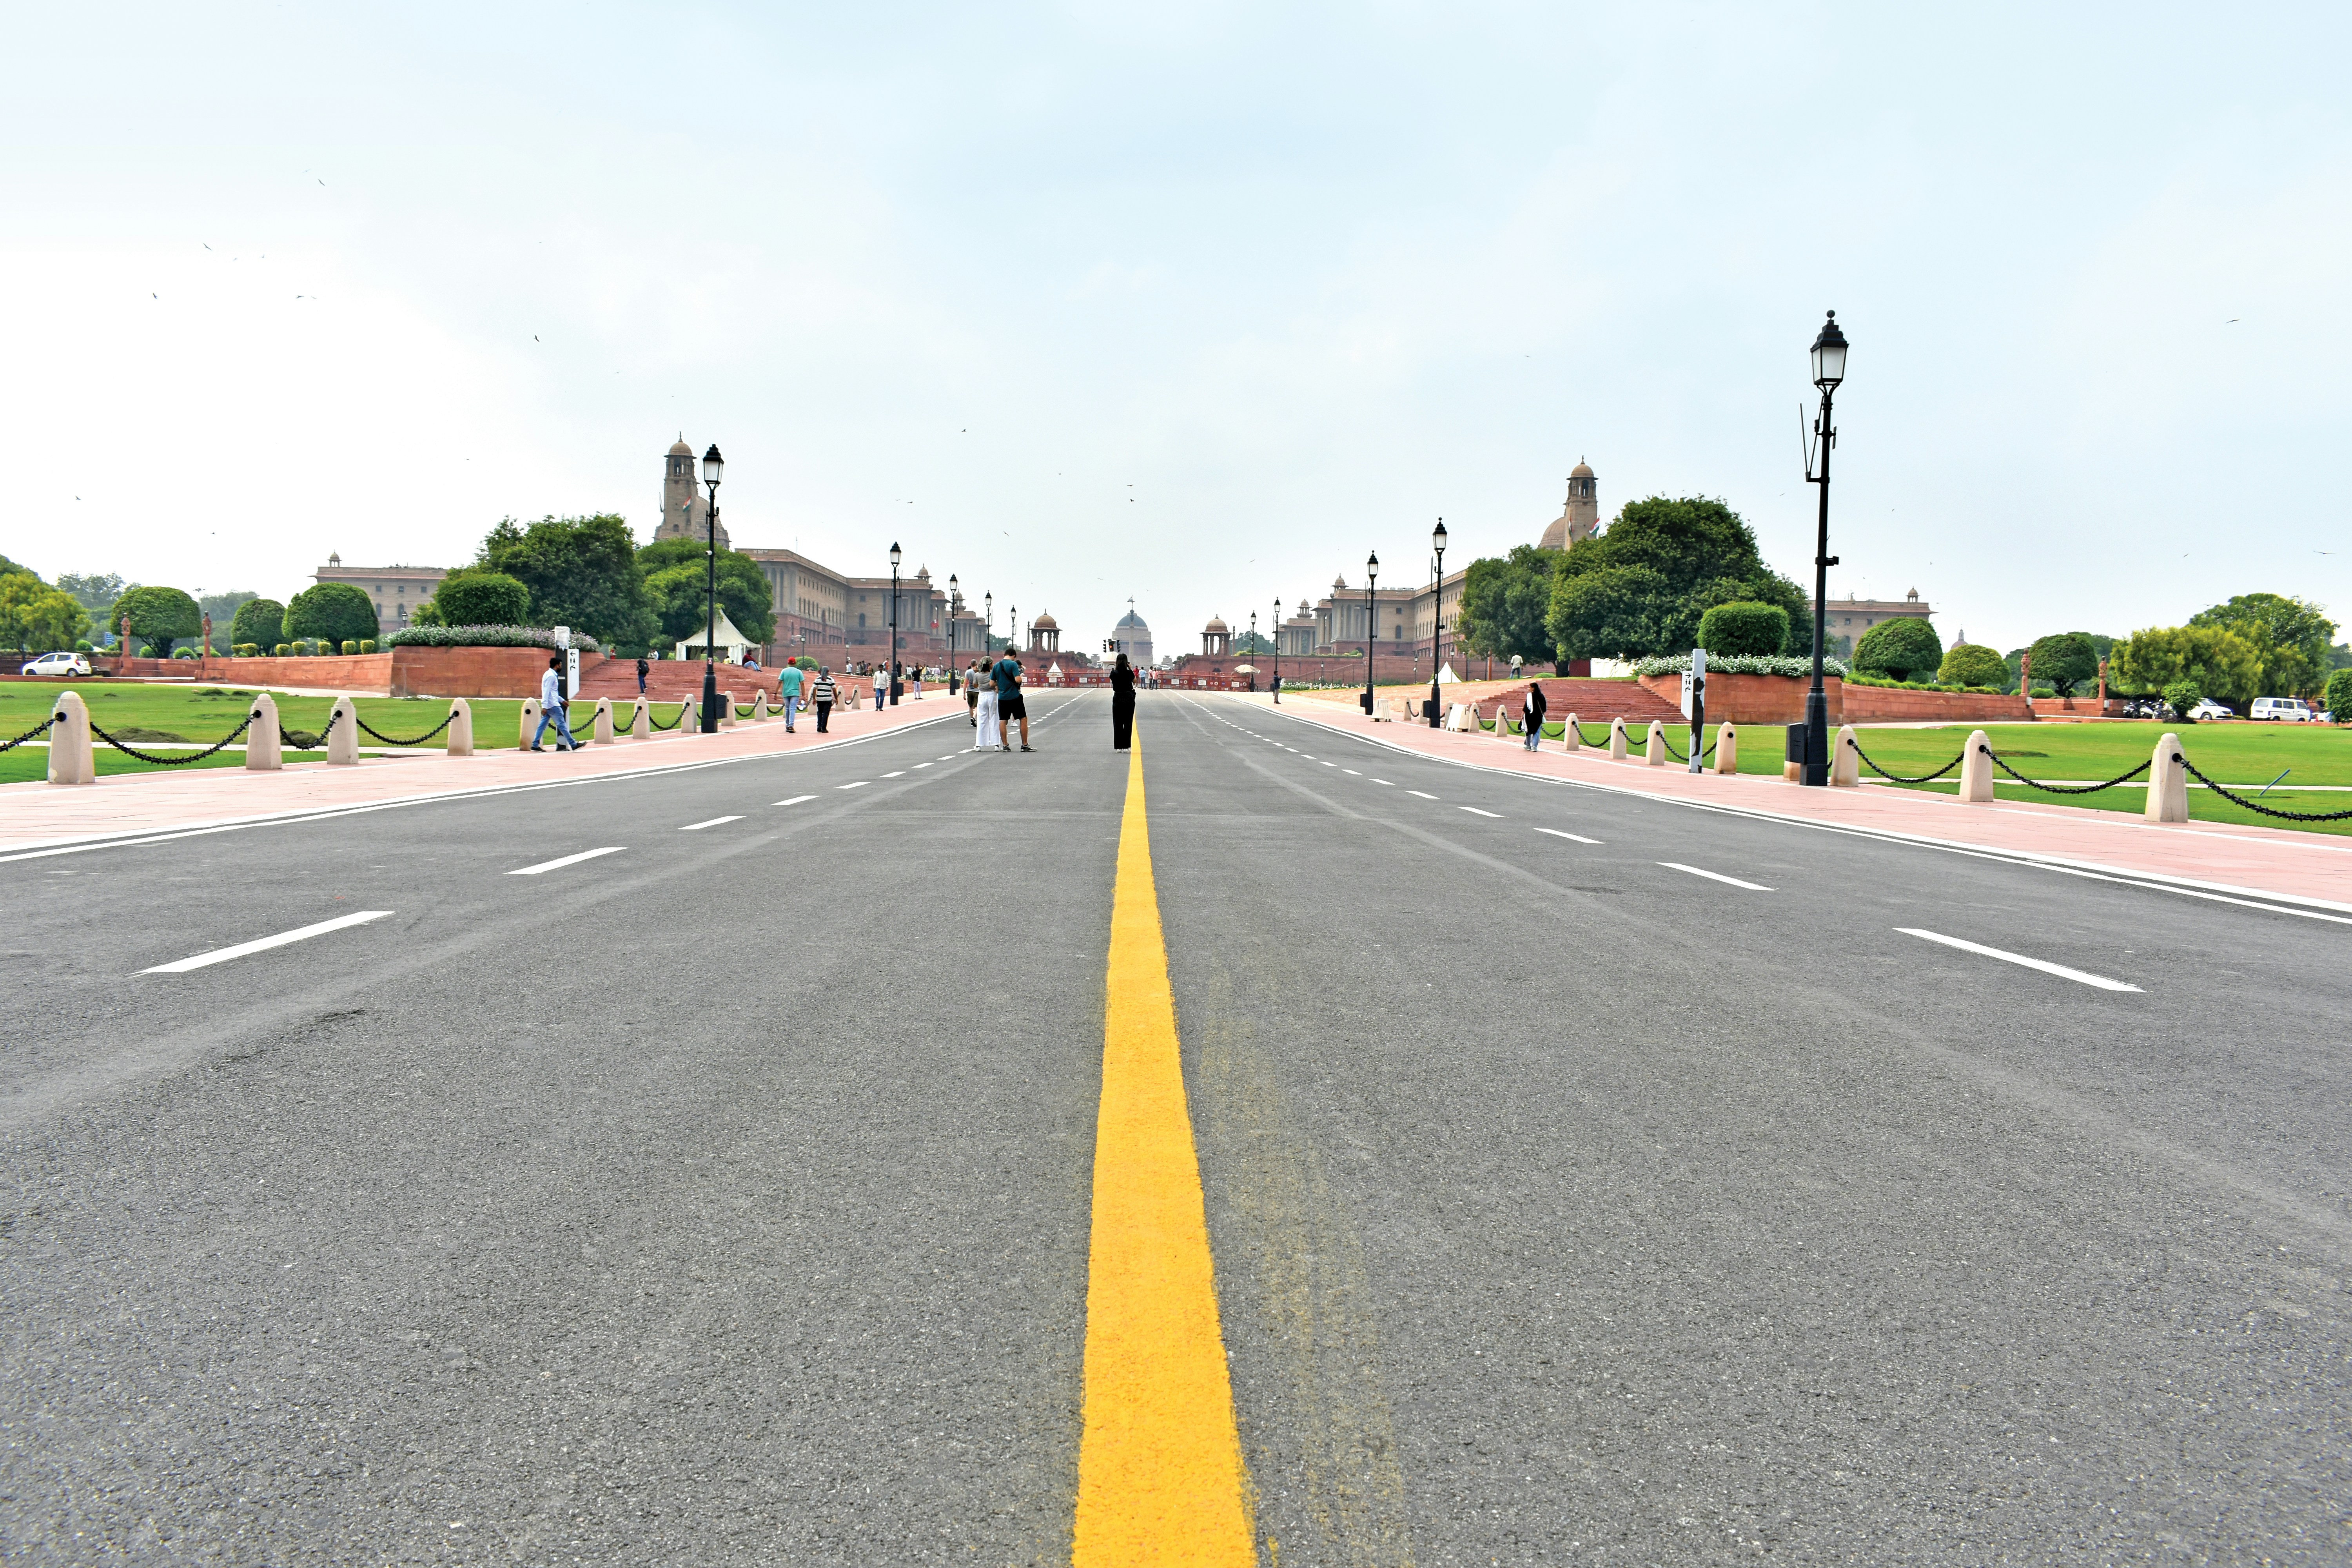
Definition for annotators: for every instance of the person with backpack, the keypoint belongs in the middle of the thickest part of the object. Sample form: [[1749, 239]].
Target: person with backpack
[[823, 695], [642, 668], [1009, 705]]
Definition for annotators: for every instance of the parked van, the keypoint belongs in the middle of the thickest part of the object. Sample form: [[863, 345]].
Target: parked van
[[2289, 709]]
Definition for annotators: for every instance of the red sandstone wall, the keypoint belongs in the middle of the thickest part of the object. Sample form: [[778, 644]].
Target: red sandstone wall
[[1883, 705], [398, 672], [1781, 699]]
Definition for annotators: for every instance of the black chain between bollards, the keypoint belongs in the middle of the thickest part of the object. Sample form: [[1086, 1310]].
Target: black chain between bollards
[[390, 742], [303, 741], [1702, 756], [32, 734], [2230, 794], [2061, 789], [1898, 778], [128, 750], [654, 723]]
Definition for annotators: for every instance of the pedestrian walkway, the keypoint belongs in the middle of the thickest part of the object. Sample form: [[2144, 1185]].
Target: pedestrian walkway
[[39, 815], [2301, 865]]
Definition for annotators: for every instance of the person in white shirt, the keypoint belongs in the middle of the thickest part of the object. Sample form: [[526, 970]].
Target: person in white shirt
[[550, 709]]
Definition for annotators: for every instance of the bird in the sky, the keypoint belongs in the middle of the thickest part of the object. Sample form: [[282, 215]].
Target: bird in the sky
[[2231, 320]]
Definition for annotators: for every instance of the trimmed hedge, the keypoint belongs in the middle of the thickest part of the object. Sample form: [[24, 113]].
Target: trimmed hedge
[[481, 599], [1744, 626], [2338, 697], [1905, 648], [1743, 663], [485, 636]]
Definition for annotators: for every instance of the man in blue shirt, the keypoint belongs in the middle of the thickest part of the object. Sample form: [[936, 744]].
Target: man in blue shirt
[[1009, 705], [788, 687]]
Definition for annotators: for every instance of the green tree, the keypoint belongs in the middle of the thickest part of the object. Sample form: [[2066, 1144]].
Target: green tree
[[480, 599], [2223, 664], [1973, 664], [94, 591], [1505, 605], [743, 590], [2291, 636], [2338, 698], [158, 615], [1739, 627], [334, 613], [2182, 696], [1905, 648], [1640, 587], [223, 608], [261, 621], [36, 618], [583, 573], [2064, 660]]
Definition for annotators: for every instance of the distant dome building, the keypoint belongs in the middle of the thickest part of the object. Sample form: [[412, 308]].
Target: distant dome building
[[1581, 516], [1132, 637], [685, 509], [1045, 634], [1216, 638]]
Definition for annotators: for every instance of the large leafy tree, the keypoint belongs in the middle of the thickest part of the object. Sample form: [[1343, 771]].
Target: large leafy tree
[[1506, 603], [261, 622], [334, 613], [2064, 660], [477, 598], [1905, 648], [2291, 636], [2220, 662], [583, 573], [743, 590], [94, 591], [36, 618], [1640, 587], [158, 615], [1973, 664]]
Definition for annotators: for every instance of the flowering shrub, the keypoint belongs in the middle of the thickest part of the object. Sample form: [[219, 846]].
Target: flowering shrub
[[485, 636], [1741, 664]]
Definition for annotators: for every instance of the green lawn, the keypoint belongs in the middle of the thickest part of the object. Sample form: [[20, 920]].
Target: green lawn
[[2237, 753], [148, 716]]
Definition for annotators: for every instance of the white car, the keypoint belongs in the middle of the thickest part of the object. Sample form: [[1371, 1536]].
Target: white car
[[58, 664], [2208, 709], [2288, 709]]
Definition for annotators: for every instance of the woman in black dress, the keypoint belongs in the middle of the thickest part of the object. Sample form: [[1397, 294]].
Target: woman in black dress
[[1122, 705]]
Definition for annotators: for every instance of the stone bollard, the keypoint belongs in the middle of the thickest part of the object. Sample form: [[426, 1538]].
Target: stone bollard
[[1503, 725], [461, 727], [343, 734], [1976, 769], [1845, 760], [727, 711], [529, 719], [1456, 717], [690, 717], [265, 741], [72, 759], [1654, 751], [759, 705], [1570, 741], [1617, 742], [641, 721], [602, 733], [1727, 749], [2168, 782]]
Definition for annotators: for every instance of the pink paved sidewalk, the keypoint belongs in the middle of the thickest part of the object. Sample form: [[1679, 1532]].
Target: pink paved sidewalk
[[38, 814], [2301, 865]]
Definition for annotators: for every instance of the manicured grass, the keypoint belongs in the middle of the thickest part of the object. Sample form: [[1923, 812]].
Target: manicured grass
[[200, 715]]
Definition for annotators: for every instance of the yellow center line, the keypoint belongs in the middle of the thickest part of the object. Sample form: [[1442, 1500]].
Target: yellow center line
[[1159, 1464]]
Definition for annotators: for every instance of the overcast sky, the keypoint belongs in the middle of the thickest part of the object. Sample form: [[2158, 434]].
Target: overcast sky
[[1195, 304]]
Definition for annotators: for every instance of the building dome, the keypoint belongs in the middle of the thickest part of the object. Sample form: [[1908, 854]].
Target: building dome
[[1581, 472], [1216, 624], [680, 449], [1045, 623], [334, 559]]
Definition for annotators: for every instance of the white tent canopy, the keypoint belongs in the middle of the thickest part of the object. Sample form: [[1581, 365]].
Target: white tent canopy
[[731, 644]]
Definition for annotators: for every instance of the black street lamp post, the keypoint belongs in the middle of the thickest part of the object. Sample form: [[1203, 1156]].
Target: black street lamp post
[[1278, 647], [1828, 369], [1371, 577], [1436, 624], [712, 464], [955, 603], [988, 625], [894, 624]]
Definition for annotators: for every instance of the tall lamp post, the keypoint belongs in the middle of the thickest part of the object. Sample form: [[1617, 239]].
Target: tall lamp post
[[894, 624], [955, 603], [1371, 576], [1828, 369], [988, 625], [1436, 622], [712, 464], [1278, 647]]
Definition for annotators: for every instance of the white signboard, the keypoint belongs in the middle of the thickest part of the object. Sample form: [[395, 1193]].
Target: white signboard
[[571, 673], [1696, 673]]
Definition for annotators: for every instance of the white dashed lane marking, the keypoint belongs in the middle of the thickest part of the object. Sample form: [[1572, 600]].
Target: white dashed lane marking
[[566, 860], [2101, 980], [796, 800], [1715, 876], [861, 783], [1474, 811], [223, 954], [698, 826], [1557, 833], [900, 774], [1422, 793]]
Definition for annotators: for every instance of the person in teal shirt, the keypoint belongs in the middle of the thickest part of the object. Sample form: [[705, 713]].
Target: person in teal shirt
[[788, 686]]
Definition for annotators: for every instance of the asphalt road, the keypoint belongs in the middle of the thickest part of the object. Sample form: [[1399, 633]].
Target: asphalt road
[[724, 1198]]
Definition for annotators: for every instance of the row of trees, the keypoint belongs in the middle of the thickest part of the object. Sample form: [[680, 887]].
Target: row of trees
[[589, 574]]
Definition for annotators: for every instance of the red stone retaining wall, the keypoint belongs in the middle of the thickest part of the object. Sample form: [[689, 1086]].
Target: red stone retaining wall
[[1781, 699], [397, 672]]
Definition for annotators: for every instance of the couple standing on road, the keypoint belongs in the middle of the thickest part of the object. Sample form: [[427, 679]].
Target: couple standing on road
[[994, 696]]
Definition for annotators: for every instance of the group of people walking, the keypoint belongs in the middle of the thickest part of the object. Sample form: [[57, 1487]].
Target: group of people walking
[[991, 693]]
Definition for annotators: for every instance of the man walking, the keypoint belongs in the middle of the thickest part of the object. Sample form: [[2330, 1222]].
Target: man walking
[[788, 687], [823, 695], [972, 692], [1009, 705], [642, 668], [550, 709]]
